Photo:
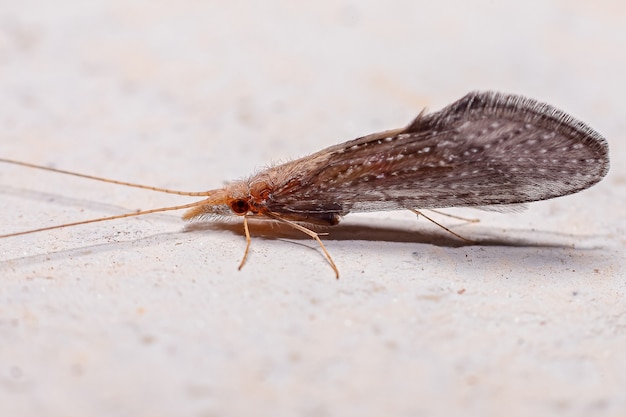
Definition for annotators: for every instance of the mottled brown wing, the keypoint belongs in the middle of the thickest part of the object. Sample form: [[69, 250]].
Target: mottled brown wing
[[485, 149]]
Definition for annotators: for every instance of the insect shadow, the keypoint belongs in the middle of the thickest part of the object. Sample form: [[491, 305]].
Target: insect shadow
[[480, 236]]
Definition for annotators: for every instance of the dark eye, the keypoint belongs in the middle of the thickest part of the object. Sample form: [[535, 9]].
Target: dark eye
[[239, 206]]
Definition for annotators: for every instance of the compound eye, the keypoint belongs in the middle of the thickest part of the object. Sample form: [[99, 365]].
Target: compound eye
[[239, 206]]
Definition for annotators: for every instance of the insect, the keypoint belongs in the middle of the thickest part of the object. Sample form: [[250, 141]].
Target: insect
[[487, 149]]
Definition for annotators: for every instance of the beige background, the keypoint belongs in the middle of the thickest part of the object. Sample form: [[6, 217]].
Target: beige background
[[140, 318]]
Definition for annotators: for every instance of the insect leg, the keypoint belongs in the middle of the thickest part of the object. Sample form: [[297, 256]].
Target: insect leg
[[419, 213], [465, 219], [248, 240], [310, 233]]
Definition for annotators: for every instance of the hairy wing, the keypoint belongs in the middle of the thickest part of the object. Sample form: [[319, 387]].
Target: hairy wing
[[485, 149]]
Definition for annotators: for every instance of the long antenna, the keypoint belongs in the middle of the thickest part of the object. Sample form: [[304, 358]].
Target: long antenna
[[103, 219], [92, 177]]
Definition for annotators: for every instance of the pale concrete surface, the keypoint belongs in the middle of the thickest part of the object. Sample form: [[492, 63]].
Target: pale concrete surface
[[139, 318]]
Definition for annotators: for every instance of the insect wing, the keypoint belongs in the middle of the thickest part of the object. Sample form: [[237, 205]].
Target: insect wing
[[485, 149]]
